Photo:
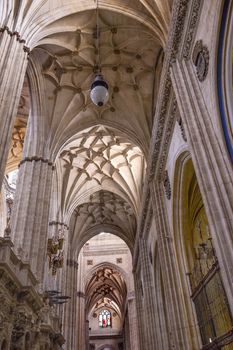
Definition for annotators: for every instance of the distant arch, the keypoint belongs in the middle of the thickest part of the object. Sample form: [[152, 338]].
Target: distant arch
[[106, 347]]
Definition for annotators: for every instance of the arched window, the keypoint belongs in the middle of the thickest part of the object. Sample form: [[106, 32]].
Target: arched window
[[105, 319]]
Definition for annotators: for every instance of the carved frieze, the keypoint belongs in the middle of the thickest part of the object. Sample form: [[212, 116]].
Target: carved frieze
[[167, 185], [195, 10], [180, 122], [6, 310], [161, 137], [19, 326]]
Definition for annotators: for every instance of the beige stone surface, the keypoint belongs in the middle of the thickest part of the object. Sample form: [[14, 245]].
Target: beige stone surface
[[119, 207]]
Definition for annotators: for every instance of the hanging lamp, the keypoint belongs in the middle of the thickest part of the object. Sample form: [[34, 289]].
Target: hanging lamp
[[99, 88]]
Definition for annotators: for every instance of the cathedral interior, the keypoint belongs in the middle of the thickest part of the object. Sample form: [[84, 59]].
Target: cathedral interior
[[116, 150]]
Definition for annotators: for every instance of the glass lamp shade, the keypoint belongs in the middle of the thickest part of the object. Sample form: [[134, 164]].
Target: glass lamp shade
[[99, 91]]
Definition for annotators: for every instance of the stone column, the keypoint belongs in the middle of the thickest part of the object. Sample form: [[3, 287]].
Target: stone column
[[70, 326], [162, 315], [133, 324], [31, 212], [212, 166], [139, 307], [13, 64], [149, 307], [87, 334], [126, 333], [180, 331], [82, 332]]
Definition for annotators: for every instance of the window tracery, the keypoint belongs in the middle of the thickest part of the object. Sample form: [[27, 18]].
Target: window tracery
[[105, 319]]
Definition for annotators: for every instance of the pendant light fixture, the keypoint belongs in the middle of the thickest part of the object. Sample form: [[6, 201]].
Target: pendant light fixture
[[99, 88]]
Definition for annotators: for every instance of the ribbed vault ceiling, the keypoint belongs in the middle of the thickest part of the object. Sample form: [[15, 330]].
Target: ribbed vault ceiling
[[101, 175], [33, 17], [129, 56], [100, 152], [105, 209], [106, 287], [99, 159]]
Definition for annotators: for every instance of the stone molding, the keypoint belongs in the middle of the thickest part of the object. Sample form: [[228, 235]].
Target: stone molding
[[148, 221], [22, 270], [167, 185], [107, 252], [56, 223], [37, 159], [18, 37], [195, 12], [80, 295], [165, 119], [171, 119], [72, 263], [182, 130]]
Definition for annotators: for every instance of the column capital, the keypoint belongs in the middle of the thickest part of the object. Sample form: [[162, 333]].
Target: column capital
[[72, 263], [17, 35], [37, 159], [56, 223], [80, 294]]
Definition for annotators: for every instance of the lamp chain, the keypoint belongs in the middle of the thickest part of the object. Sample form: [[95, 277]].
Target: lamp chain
[[98, 37]]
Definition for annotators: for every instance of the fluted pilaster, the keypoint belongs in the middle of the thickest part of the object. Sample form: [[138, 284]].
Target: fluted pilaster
[[13, 64], [133, 324], [70, 326], [139, 308], [81, 315], [212, 166], [180, 336], [149, 307], [31, 212]]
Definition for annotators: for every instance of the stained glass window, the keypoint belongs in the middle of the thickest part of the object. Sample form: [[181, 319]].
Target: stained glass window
[[105, 319]]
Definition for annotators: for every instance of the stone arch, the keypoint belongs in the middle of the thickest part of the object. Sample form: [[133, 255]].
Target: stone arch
[[109, 276], [115, 165], [155, 23], [113, 125], [103, 228], [70, 117], [180, 220], [111, 265], [106, 347], [224, 74], [196, 257]]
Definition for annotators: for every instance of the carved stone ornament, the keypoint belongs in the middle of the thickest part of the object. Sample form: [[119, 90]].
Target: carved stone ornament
[[55, 252], [180, 122], [167, 185], [19, 328], [201, 60]]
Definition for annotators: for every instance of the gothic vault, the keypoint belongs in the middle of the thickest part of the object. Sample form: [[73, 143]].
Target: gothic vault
[[116, 228]]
